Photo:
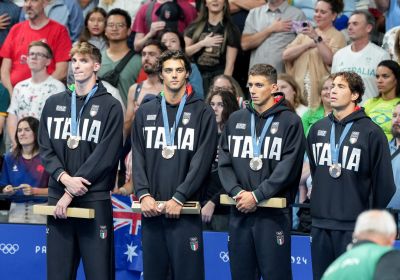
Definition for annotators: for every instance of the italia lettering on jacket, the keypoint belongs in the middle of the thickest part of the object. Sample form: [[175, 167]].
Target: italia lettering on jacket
[[155, 138], [242, 147], [350, 156], [60, 128]]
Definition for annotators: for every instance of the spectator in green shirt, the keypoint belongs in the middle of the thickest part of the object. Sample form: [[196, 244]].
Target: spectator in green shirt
[[313, 115]]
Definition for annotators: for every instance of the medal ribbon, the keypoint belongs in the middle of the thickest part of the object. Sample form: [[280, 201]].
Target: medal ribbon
[[170, 134], [335, 148], [74, 120], [258, 142]]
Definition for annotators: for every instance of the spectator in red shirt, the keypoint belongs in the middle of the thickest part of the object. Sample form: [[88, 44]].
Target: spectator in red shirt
[[37, 27], [163, 15]]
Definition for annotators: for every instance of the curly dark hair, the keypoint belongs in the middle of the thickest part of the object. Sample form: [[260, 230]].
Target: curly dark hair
[[337, 6], [355, 82], [175, 55]]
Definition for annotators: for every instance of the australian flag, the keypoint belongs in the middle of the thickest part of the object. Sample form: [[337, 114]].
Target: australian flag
[[127, 238]]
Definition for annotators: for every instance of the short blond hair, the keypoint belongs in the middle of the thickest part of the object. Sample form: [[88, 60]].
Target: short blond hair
[[85, 48]]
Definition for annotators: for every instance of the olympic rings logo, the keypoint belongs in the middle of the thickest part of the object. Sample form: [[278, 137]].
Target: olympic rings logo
[[9, 248], [224, 256]]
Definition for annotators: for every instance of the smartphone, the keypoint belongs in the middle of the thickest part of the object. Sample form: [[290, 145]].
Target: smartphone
[[298, 25]]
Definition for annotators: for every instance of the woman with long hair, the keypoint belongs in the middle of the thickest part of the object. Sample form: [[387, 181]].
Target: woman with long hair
[[95, 24], [213, 41], [214, 216], [380, 108], [290, 88], [93, 32], [309, 57], [229, 83], [23, 174]]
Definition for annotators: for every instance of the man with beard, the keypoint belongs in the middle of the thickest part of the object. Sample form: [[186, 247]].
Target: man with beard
[[150, 87], [394, 146]]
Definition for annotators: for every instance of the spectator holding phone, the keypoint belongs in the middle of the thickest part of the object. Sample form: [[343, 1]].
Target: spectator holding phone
[[268, 30], [309, 57]]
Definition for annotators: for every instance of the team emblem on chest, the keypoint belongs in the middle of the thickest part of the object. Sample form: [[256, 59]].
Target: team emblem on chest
[[186, 118], [274, 127], [94, 110], [354, 137]]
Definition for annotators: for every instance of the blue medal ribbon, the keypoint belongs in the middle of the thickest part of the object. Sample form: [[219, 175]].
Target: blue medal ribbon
[[335, 148], [74, 120], [170, 134], [257, 143]]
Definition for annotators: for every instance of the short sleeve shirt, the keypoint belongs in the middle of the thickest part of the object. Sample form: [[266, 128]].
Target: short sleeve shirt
[[213, 58], [21, 35], [270, 51], [140, 25], [28, 98]]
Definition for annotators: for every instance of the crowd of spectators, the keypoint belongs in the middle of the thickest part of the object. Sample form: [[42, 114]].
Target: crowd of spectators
[[305, 41]]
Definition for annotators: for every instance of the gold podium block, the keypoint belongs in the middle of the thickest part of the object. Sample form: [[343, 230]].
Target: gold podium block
[[275, 202], [84, 213]]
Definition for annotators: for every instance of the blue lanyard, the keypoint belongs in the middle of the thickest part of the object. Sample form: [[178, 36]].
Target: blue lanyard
[[170, 134], [257, 143], [335, 148], [74, 120]]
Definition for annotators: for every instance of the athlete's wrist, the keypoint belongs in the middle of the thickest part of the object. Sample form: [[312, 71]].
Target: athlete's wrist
[[69, 193]]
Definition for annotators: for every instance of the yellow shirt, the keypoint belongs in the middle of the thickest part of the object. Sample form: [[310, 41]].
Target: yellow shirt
[[380, 111]]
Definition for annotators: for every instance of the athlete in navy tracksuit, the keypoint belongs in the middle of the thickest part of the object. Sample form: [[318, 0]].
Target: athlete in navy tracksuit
[[81, 175], [172, 241], [259, 238], [365, 179]]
